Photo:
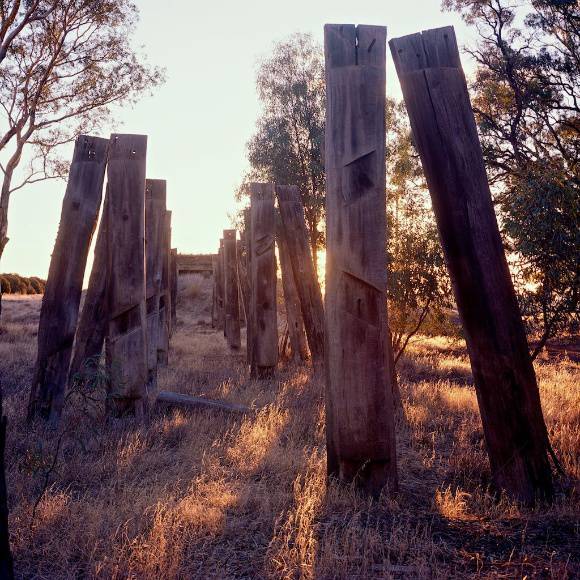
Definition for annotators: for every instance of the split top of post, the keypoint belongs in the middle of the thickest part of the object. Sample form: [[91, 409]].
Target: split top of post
[[156, 189], [351, 45]]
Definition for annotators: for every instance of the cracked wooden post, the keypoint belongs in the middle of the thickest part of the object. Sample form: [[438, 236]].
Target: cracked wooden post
[[307, 286], [60, 304], [155, 202], [214, 305], [264, 348], [248, 288], [446, 137], [359, 408], [232, 302], [220, 288], [296, 331], [126, 345], [165, 295], [173, 278]]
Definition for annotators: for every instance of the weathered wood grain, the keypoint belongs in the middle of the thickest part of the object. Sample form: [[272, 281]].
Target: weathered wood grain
[[232, 302], [126, 344], [305, 276], [263, 281], [155, 207], [446, 137], [296, 330], [62, 296], [359, 408], [220, 288], [165, 295], [174, 285]]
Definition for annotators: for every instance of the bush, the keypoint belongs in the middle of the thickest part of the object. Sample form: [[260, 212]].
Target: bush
[[16, 284]]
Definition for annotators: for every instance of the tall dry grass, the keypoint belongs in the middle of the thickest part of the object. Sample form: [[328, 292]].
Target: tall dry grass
[[206, 495]]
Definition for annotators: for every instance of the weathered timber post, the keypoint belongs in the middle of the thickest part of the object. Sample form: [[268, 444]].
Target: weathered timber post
[[62, 296], [94, 318], [165, 294], [6, 561], [214, 312], [305, 276], [446, 137], [296, 331], [127, 330], [173, 278], [359, 408], [263, 308], [232, 303], [248, 290], [220, 288], [155, 201]]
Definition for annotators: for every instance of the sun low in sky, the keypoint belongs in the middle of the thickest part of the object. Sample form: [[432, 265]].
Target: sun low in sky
[[198, 123]]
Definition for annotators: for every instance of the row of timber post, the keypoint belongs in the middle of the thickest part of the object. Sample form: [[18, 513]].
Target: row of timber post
[[129, 307]]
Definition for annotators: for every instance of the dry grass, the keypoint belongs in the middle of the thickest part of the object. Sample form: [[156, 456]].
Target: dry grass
[[203, 495]]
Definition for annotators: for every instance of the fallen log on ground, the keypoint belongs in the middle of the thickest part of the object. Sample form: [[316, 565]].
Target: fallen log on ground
[[188, 401]]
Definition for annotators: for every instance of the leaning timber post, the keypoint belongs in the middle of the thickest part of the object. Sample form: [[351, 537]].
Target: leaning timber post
[[232, 302], [360, 426], [220, 288], [173, 279], [307, 286], [165, 294], [296, 331], [127, 330], [445, 134], [93, 321], [263, 281], [62, 296], [155, 201]]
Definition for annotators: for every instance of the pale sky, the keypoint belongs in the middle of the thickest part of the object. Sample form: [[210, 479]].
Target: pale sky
[[198, 123]]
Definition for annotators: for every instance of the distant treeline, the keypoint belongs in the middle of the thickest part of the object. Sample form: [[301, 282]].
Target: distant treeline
[[16, 284]]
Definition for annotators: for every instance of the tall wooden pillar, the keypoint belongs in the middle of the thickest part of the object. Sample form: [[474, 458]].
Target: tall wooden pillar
[[173, 278], [155, 202], [307, 286], [359, 408], [220, 288], [446, 137], [232, 303], [214, 305], [247, 294], [263, 308], [127, 331], [296, 331], [165, 294], [60, 304]]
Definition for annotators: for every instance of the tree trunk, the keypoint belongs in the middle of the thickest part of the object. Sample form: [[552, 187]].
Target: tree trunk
[[263, 281], [302, 263], [127, 331], [446, 137], [62, 296], [232, 302], [155, 207], [360, 427], [296, 330]]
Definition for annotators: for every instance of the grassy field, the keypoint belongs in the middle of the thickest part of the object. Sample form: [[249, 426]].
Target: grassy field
[[205, 495]]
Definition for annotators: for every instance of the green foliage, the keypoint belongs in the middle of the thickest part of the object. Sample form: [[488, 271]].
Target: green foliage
[[287, 147], [16, 284], [418, 285], [526, 97]]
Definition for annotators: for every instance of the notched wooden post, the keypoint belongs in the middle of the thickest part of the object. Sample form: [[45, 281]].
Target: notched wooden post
[[305, 276], [359, 408], [232, 303], [127, 330], [60, 304], [155, 203], [264, 348], [445, 133]]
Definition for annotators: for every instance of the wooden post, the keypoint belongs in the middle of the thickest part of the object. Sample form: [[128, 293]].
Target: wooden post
[[263, 281], [214, 298], [155, 202], [359, 409], [296, 331], [173, 278], [165, 294], [247, 290], [93, 322], [6, 560], [305, 276], [220, 288], [62, 296], [446, 137], [127, 331], [232, 303]]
